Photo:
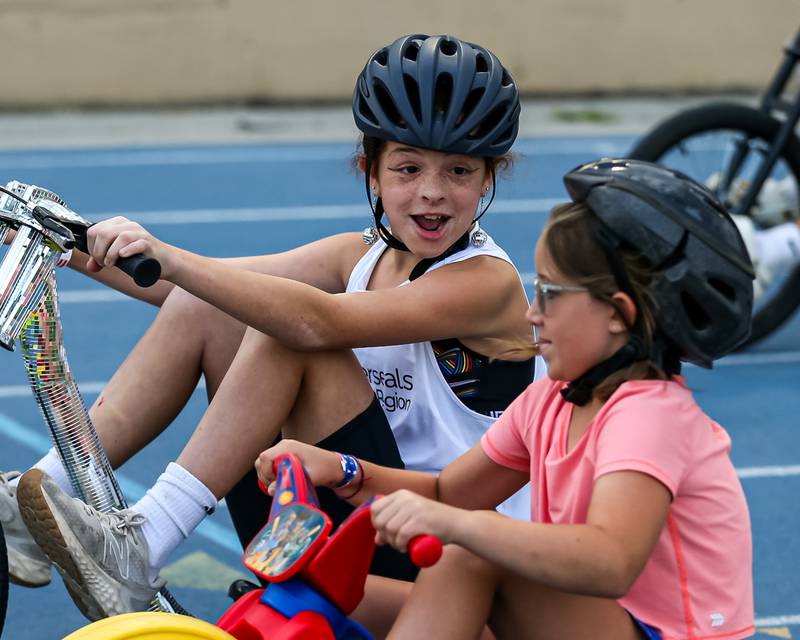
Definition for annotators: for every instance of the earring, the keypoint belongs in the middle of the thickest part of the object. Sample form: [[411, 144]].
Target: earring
[[369, 235], [478, 237]]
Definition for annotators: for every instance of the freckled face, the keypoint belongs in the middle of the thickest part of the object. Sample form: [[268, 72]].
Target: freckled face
[[576, 332], [430, 197]]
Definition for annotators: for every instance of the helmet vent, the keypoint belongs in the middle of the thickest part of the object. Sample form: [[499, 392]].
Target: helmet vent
[[448, 47], [723, 287], [412, 93], [411, 51], [365, 111], [481, 66], [470, 103], [506, 81], [382, 57], [507, 135], [387, 105], [697, 316], [489, 122], [443, 93]]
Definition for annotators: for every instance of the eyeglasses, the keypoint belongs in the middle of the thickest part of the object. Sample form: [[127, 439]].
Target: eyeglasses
[[546, 291]]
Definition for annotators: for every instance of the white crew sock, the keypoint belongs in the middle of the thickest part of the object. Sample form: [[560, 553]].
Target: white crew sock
[[51, 464], [779, 247], [172, 508]]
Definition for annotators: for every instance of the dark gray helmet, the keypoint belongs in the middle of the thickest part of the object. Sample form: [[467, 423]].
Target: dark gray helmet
[[438, 92], [704, 295]]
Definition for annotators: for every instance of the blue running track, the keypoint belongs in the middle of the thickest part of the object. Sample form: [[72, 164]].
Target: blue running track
[[240, 200]]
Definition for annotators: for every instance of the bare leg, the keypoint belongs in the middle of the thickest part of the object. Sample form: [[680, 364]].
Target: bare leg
[[450, 600], [475, 591], [153, 384], [382, 602], [268, 389]]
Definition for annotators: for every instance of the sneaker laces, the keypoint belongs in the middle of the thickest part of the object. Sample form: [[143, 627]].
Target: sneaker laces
[[119, 521]]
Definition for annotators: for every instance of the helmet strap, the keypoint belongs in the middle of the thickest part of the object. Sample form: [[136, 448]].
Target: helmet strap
[[426, 263], [377, 212], [491, 199], [580, 390]]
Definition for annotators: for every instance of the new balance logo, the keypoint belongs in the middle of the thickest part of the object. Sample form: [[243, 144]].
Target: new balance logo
[[118, 548]]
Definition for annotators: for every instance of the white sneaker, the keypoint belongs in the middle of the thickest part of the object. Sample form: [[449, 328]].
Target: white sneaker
[[27, 564], [750, 236], [777, 202], [103, 557]]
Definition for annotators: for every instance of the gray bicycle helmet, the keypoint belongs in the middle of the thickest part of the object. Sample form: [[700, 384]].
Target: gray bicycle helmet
[[440, 93], [704, 292]]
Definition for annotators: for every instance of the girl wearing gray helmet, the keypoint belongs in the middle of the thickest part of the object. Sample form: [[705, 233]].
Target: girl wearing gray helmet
[[398, 347], [640, 527]]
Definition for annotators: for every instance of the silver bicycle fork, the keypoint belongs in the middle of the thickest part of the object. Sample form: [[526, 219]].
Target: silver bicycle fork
[[29, 312]]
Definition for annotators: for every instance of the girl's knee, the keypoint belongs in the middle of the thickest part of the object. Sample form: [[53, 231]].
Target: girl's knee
[[468, 564], [195, 314], [256, 341], [182, 303]]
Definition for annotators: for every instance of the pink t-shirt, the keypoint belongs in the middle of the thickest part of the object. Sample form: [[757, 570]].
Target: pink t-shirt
[[698, 581]]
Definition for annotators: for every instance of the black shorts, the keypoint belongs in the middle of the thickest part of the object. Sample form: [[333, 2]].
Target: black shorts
[[368, 436]]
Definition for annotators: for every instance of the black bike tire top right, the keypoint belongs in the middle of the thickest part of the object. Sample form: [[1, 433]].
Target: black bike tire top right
[[754, 123]]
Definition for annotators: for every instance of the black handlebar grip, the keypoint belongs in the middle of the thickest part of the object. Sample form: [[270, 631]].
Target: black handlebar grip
[[144, 271]]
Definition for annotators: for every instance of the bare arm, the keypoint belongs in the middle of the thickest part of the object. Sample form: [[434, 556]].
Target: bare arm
[[455, 485], [601, 558], [319, 264], [477, 298], [324, 469], [465, 300]]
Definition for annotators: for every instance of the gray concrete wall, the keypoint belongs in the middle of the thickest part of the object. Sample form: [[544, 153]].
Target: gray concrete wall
[[133, 52]]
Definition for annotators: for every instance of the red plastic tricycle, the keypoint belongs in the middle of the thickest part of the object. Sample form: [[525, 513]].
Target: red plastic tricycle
[[315, 579]]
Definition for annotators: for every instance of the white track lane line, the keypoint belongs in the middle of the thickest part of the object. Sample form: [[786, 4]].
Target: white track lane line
[[282, 153], [95, 387]]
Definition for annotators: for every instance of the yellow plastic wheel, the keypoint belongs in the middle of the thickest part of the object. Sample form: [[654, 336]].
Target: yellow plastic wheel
[[150, 626]]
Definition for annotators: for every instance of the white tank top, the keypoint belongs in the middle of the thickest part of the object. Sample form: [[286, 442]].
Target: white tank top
[[431, 425]]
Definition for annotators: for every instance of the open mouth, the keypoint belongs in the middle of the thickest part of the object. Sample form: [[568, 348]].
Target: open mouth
[[431, 225]]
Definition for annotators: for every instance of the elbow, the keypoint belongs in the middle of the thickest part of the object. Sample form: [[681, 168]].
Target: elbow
[[619, 579], [616, 587], [310, 334]]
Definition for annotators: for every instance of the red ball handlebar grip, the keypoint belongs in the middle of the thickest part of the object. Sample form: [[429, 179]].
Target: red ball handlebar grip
[[425, 551]]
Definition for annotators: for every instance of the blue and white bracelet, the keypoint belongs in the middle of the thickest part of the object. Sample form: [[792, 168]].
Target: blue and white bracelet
[[349, 469]]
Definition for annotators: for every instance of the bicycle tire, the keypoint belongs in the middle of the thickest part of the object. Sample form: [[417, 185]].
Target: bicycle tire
[[755, 125], [3, 579]]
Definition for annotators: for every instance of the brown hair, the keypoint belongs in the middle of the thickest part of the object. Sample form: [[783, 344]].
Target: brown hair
[[570, 242]]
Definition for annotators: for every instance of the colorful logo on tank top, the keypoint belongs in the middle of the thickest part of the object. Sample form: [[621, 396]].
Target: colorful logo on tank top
[[454, 364]]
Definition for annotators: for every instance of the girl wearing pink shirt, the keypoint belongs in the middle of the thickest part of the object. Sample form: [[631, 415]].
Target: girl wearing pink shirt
[[639, 524]]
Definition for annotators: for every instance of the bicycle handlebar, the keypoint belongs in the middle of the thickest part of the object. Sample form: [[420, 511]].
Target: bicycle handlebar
[[144, 271]]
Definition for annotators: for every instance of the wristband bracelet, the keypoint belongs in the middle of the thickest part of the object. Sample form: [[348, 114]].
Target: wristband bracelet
[[360, 484], [349, 469]]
